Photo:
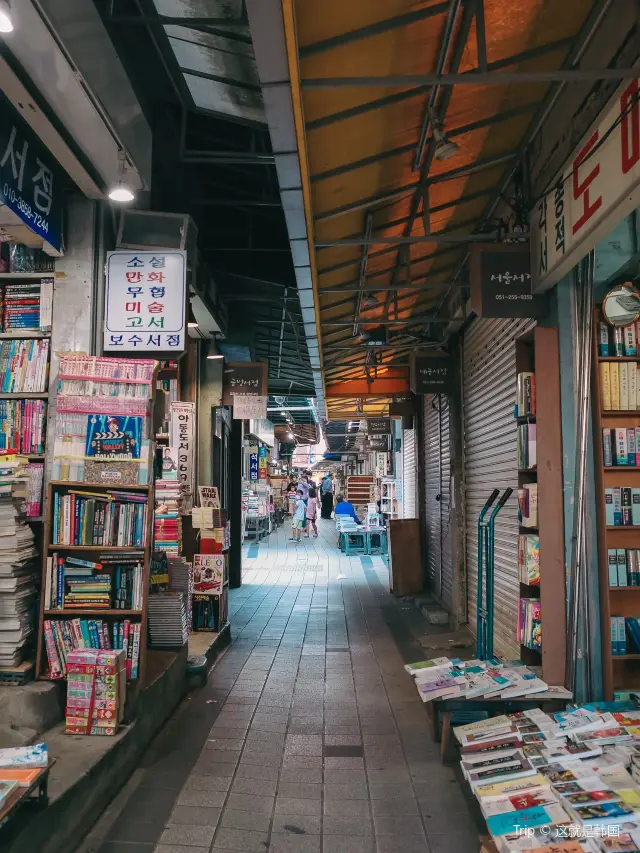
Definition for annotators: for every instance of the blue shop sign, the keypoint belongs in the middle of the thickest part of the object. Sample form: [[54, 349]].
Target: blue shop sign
[[31, 182]]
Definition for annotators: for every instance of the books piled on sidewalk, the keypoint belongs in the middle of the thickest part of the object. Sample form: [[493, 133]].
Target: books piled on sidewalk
[[96, 691], [24, 366], [558, 777], [167, 619], [18, 570], [442, 678], [64, 636]]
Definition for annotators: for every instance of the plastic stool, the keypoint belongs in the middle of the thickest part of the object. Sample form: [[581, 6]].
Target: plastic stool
[[376, 542], [355, 543]]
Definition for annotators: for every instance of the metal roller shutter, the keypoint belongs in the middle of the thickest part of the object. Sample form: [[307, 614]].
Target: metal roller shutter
[[408, 473], [437, 491], [490, 430], [446, 554]]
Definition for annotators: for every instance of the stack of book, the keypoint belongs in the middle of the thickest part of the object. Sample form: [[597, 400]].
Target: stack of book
[[63, 636], [619, 386], [444, 678], [526, 395], [18, 569], [624, 566], [24, 366], [33, 499], [557, 777], [617, 341], [28, 306], [527, 453], [113, 518], [95, 691], [529, 631], [528, 505], [621, 446], [167, 532], [167, 619], [113, 583], [23, 426], [529, 559], [622, 506]]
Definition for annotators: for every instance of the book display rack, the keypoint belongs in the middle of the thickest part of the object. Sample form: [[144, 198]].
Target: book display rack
[[541, 572], [616, 413]]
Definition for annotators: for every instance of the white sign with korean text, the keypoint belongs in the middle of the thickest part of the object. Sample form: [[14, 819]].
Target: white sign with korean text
[[248, 407], [145, 302], [182, 441], [595, 191]]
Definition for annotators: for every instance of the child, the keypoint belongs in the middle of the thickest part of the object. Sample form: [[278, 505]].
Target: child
[[298, 518], [312, 509]]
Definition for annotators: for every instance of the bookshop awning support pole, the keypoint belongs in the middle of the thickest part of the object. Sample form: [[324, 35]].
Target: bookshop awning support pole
[[579, 641]]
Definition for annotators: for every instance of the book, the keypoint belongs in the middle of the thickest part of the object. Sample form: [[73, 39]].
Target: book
[[529, 558], [529, 624], [608, 503], [617, 507], [22, 778], [621, 559], [624, 386], [550, 814], [518, 769], [614, 376], [24, 757], [512, 787], [605, 385], [618, 342], [603, 339], [630, 344], [632, 369], [612, 559], [622, 447], [607, 447], [526, 398]]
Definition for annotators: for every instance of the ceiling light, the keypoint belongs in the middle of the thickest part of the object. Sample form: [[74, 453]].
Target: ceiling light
[[212, 351], [444, 148], [370, 300], [121, 192], [6, 24], [192, 322]]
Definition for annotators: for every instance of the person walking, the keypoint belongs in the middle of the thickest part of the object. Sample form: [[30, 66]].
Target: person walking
[[299, 518], [312, 511], [304, 487], [326, 496]]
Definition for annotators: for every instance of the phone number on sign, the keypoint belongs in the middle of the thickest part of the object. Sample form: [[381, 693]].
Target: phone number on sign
[[39, 221]]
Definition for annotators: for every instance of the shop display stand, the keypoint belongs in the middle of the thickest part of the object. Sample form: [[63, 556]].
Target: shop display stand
[[89, 552], [388, 498], [538, 351], [620, 672], [359, 489]]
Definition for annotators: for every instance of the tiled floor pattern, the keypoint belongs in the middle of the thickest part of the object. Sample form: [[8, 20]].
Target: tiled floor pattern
[[309, 737]]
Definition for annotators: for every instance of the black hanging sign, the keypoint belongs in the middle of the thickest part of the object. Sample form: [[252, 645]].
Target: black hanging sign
[[430, 374], [378, 442], [379, 426], [500, 279], [244, 377]]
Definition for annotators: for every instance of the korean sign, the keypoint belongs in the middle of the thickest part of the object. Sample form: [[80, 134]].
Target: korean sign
[[208, 573], [378, 442], [246, 406], [31, 184], [182, 440], [244, 377], [501, 282], [262, 463], [253, 462], [430, 374], [379, 426], [146, 302], [596, 190]]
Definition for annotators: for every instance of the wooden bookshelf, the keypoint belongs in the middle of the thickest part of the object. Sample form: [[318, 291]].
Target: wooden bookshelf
[[539, 351], [620, 672], [18, 275]]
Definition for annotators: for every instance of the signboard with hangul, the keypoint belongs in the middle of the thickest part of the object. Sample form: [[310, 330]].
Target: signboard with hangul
[[244, 377], [378, 442], [430, 374], [378, 426], [31, 183], [249, 407], [262, 462], [500, 279], [182, 440], [146, 302], [253, 462]]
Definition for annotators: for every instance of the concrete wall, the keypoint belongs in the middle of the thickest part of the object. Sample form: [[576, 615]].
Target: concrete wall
[[209, 397]]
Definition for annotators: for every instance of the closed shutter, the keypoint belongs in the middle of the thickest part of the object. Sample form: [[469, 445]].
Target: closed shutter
[[490, 437], [437, 491], [408, 473]]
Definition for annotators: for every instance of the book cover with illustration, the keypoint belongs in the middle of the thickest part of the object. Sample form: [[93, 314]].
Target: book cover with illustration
[[113, 446]]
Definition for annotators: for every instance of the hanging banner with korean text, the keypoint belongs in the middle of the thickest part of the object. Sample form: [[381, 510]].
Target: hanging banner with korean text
[[430, 374], [31, 182], [500, 279], [146, 302], [182, 441], [244, 377], [262, 462], [253, 462], [248, 407], [596, 190]]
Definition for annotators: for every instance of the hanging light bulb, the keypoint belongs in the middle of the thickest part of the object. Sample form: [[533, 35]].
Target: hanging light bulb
[[122, 192], [444, 147], [6, 22]]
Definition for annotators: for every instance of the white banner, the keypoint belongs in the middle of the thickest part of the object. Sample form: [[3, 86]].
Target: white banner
[[248, 407], [594, 192], [145, 302], [182, 441]]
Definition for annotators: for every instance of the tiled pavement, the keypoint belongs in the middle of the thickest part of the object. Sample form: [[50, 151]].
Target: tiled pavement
[[309, 737]]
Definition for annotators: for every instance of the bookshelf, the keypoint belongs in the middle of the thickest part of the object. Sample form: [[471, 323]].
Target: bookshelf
[[388, 498], [108, 615], [538, 352], [620, 671]]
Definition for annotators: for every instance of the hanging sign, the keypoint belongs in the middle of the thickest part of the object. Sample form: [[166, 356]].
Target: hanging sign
[[596, 189], [182, 441], [430, 374], [500, 279], [244, 377], [262, 463], [209, 496], [31, 182], [249, 407], [146, 302], [379, 426], [208, 573], [378, 442], [253, 462]]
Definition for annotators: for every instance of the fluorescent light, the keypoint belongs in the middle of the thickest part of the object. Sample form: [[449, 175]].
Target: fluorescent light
[[121, 192], [6, 24], [192, 324], [212, 351]]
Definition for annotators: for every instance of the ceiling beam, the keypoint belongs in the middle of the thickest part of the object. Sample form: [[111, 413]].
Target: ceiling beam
[[439, 237]]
